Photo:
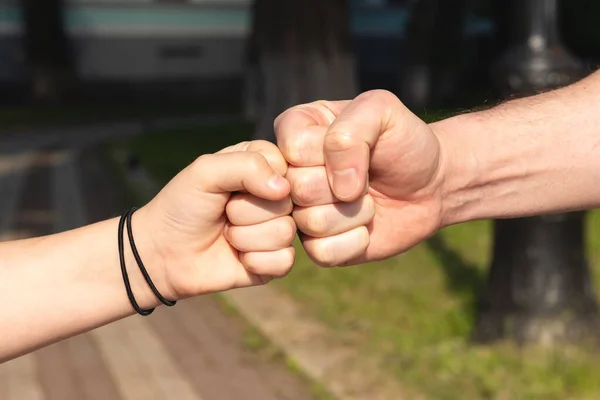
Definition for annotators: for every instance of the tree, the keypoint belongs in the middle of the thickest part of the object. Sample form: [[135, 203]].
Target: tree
[[539, 286], [47, 49], [434, 41], [298, 52], [579, 24]]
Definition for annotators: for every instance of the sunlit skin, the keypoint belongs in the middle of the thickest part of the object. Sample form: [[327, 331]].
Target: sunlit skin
[[371, 180], [193, 238], [368, 178]]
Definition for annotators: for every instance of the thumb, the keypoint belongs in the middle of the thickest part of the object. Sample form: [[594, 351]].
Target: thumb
[[237, 171], [351, 137], [269, 151]]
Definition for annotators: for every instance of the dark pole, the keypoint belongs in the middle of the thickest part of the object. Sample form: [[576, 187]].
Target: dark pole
[[433, 53], [47, 49], [536, 60], [539, 286]]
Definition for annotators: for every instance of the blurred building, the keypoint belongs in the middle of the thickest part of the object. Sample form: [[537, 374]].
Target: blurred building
[[192, 45]]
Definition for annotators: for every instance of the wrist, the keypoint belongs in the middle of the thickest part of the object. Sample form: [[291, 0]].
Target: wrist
[[459, 169], [153, 262]]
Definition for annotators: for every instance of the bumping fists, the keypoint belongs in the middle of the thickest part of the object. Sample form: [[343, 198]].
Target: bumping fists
[[359, 180]]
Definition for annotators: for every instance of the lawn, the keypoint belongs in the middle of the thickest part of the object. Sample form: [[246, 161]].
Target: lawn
[[414, 311]]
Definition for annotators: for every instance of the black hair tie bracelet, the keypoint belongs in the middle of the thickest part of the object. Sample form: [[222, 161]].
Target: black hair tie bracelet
[[126, 218]]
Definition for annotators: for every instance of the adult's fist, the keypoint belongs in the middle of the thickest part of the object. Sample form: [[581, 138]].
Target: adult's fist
[[366, 177]]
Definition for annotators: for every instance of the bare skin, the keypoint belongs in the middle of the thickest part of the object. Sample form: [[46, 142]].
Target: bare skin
[[61, 285], [369, 180], [369, 176]]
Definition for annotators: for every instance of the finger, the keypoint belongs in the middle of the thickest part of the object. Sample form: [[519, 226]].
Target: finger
[[268, 150], [339, 249], [241, 146], [310, 187], [300, 131], [270, 263], [271, 153], [246, 209], [268, 236], [231, 172], [333, 219], [351, 137], [307, 149]]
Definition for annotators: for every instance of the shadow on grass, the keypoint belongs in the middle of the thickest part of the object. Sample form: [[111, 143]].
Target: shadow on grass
[[462, 277]]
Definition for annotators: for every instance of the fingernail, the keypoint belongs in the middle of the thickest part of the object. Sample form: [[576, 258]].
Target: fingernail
[[345, 183], [277, 182]]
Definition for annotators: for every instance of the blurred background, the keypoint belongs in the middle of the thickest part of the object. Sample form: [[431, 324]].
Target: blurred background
[[103, 101]]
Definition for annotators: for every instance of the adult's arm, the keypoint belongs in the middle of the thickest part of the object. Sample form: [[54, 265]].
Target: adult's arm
[[529, 156], [372, 180]]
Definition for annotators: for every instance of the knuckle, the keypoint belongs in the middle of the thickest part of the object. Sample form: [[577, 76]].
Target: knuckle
[[281, 117], [283, 272], [316, 222], [291, 149], [234, 215], [242, 146], [259, 144], [250, 264], [228, 233], [280, 265], [325, 260], [255, 161], [325, 107], [287, 262], [289, 258], [379, 95], [199, 165], [286, 230], [303, 189], [287, 206], [369, 207], [339, 140], [321, 254], [287, 140], [234, 208]]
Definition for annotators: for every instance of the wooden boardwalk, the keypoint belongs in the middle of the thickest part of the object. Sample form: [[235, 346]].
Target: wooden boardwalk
[[193, 351]]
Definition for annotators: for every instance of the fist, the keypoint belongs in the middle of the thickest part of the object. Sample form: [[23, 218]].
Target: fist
[[262, 231], [222, 223], [366, 177]]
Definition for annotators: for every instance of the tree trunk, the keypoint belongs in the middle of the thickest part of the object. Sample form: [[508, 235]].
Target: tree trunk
[[47, 49], [253, 97], [503, 15], [539, 289], [434, 39], [299, 52]]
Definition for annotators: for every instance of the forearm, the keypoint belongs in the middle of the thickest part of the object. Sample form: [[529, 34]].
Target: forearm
[[61, 285], [527, 157]]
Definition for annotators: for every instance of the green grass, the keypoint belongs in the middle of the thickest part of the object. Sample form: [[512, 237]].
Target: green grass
[[165, 154], [256, 342], [415, 311]]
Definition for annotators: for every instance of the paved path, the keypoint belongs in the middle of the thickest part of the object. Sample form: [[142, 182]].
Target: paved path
[[193, 351]]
